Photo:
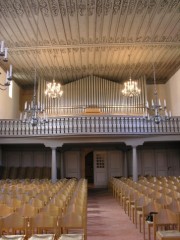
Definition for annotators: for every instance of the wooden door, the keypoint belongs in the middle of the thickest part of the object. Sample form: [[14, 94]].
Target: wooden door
[[100, 169]]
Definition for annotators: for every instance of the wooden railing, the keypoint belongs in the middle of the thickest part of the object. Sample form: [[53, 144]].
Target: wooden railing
[[90, 125]]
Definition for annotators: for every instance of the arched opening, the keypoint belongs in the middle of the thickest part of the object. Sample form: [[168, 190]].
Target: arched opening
[[89, 167]]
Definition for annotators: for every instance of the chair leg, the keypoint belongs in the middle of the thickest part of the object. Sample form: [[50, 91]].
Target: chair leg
[[144, 228], [140, 216]]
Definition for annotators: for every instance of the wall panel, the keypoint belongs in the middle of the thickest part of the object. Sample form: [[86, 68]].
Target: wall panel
[[151, 161], [115, 163], [27, 159], [39, 160], [148, 162], [173, 168], [161, 162], [72, 164], [12, 158]]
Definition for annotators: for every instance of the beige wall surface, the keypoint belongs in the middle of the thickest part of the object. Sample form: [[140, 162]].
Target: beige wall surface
[[9, 108], [173, 93]]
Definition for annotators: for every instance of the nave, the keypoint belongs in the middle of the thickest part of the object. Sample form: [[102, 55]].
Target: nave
[[39, 209], [106, 219]]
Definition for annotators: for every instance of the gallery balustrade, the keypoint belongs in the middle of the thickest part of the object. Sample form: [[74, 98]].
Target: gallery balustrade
[[91, 125]]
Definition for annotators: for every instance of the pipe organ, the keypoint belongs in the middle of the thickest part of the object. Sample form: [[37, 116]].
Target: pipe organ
[[93, 95]]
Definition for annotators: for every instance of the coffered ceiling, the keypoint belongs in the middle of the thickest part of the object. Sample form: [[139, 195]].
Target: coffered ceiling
[[72, 39]]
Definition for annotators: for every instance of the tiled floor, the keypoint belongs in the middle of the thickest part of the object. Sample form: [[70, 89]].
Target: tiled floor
[[107, 220]]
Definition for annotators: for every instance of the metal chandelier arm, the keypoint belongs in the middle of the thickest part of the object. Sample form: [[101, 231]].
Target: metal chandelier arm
[[33, 111]]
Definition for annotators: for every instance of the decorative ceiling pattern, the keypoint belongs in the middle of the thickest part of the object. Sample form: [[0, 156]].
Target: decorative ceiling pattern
[[91, 37]]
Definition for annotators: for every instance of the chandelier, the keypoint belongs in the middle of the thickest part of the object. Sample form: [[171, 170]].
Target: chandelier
[[34, 112], [53, 89], [157, 112], [4, 55], [131, 87]]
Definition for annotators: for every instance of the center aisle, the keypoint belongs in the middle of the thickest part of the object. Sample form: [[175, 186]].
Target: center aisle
[[106, 220]]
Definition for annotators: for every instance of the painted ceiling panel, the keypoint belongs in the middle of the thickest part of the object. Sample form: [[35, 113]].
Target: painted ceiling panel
[[91, 37]]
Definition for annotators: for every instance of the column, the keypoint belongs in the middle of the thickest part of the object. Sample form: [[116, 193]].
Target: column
[[125, 165], [53, 166], [62, 165], [134, 163], [0, 156]]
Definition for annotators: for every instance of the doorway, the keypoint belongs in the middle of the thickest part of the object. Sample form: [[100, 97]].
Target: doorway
[[89, 167]]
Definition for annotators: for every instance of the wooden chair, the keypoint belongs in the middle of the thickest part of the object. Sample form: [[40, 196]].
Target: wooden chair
[[27, 211], [123, 193], [14, 203], [155, 195], [73, 221], [5, 210], [137, 211], [14, 224], [43, 197], [150, 207], [71, 237], [24, 198], [59, 203], [133, 196], [42, 223], [42, 236], [5, 197], [37, 203], [174, 206], [164, 200], [125, 198], [13, 237], [168, 235], [166, 220], [52, 210]]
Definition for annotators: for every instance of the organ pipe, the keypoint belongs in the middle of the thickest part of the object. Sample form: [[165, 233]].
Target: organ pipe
[[93, 91]]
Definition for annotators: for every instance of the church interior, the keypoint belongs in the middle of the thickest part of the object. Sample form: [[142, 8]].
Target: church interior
[[90, 116]]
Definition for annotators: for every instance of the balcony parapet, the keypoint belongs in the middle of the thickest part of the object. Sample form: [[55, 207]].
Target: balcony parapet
[[90, 125]]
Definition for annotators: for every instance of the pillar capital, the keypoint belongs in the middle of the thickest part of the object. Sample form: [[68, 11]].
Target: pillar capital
[[134, 142], [53, 144], [134, 146], [53, 148]]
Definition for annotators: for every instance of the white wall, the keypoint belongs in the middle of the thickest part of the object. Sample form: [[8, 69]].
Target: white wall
[[9, 108], [173, 93], [161, 90], [169, 91]]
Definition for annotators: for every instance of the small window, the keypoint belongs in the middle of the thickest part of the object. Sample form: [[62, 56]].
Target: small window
[[100, 163]]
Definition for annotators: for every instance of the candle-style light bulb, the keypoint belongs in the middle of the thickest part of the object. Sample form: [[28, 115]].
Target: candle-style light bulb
[[7, 76], [10, 72], [165, 103], [159, 102], [2, 48], [147, 104], [25, 105], [152, 103], [5, 55]]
